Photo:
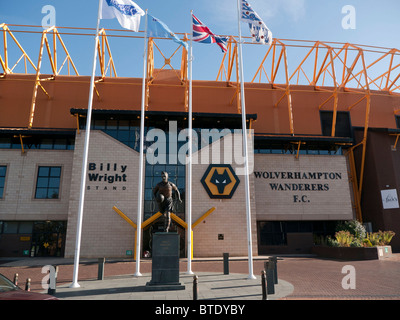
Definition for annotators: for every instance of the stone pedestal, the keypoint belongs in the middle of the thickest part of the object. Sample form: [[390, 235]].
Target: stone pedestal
[[165, 263]]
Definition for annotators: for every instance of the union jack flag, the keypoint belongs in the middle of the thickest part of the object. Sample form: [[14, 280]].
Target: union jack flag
[[202, 34]]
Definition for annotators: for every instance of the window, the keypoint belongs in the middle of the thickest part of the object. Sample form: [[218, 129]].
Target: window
[[10, 227], [272, 233], [48, 183], [3, 170], [343, 123], [176, 175], [398, 121]]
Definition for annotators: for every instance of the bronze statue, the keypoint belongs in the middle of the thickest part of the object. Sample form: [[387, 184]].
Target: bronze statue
[[163, 194]]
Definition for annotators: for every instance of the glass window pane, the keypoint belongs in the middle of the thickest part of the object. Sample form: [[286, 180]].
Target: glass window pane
[[123, 136], [54, 182], [99, 125], [10, 227], [149, 170], [149, 182], [112, 124], [60, 144], [3, 170], [181, 171], [52, 193], [41, 193], [158, 169], [25, 227], [5, 143], [43, 171], [46, 144], [171, 170], [180, 183], [42, 182], [148, 194], [1, 192], [124, 125], [55, 172], [16, 144], [112, 133]]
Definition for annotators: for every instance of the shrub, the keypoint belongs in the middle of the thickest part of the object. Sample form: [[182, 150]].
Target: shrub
[[375, 238], [386, 237], [332, 242], [357, 243], [354, 227], [344, 238]]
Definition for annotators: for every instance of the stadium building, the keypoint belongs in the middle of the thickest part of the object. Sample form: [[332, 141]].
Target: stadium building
[[325, 148]]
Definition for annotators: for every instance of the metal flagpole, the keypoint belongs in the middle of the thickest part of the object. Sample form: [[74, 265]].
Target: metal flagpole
[[75, 283], [189, 189], [141, 159], [246, 160]]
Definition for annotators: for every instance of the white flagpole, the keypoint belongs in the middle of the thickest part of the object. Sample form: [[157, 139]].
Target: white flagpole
[[75, 283], [141, 159], [189, 187], [246, 160]]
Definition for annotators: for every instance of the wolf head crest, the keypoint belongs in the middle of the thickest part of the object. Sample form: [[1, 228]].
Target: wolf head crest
[[220, 180]]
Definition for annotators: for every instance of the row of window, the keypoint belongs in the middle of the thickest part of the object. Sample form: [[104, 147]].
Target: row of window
[[303, 150], [47, 182], [37, 142], [274, 233], [29, 227]]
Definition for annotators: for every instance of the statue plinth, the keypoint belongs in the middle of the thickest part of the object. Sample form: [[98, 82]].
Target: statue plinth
[[165, 263]]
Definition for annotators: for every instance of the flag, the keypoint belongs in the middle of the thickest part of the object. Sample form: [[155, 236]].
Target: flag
[[258, 29], [202, 34], [157, 28], [127, 13]]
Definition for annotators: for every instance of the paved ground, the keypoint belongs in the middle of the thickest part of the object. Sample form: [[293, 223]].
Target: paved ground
[[300, 278]]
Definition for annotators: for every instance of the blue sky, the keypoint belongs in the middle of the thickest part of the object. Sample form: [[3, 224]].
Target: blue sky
[[377, 23]]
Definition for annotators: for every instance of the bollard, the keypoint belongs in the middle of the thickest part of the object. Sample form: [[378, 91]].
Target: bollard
[[16, 279], [264, 285], [28, 284], [269, 268], [226, 263], [100, 271], [195, 288], [52, 281], [274, 261]]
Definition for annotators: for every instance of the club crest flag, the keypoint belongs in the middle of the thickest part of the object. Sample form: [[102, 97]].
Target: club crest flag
[[258, 29], [157, 28], [127, 13]]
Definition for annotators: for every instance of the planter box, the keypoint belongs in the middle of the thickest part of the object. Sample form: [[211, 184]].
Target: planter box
[[344, 253]]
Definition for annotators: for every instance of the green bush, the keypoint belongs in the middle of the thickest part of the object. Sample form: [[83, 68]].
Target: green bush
[[353, 234], [344, 238], [332, 242], [386, 236], [354, 227], [357, 243]]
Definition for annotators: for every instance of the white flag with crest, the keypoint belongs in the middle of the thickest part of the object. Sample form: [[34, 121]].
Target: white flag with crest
[[127, 13], [258, 29]]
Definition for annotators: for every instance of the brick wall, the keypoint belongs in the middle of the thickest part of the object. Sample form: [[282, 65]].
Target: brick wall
[[104, 232], [18, 201], [325, 189], [229, 217]]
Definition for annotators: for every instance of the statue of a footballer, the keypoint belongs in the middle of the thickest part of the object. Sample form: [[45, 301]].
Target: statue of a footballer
[[163, 194]]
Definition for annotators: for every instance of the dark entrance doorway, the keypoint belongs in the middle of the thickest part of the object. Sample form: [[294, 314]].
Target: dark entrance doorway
[[48, 239]]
